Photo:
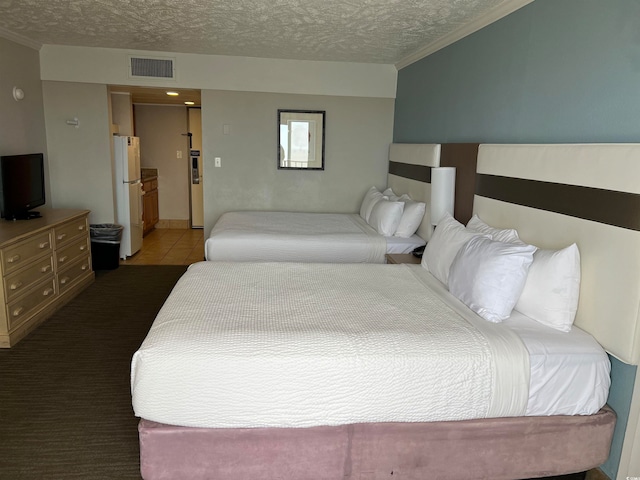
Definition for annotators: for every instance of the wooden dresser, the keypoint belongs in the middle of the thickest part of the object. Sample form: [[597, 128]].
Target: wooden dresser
[[44, 263]]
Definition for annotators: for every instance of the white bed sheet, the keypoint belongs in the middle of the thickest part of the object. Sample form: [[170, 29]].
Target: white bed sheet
[[403, 245], [298, 237], [569, 372], [299, 345]]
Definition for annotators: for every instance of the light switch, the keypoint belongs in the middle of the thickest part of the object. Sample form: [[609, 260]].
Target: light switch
[[179, 154], [218, 162]]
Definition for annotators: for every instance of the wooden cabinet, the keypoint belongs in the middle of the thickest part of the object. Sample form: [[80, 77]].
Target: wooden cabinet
[[44, 263], [150, 213]]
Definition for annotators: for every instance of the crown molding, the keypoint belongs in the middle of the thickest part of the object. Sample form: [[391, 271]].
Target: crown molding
[[491, 16], [14, 37]]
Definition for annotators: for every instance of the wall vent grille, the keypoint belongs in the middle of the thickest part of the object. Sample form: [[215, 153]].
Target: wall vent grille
[[151, 67]]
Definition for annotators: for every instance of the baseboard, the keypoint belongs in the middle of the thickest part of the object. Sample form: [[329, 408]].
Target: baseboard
[[172, 224]]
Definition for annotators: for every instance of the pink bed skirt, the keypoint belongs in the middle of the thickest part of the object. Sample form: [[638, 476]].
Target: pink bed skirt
[[501, 448]]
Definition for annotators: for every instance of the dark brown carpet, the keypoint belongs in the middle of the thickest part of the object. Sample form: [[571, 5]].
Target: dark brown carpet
[[65, 406]]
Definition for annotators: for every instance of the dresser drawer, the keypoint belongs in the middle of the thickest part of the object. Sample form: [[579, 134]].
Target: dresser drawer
[[70, 230], [17, 283], [21, 309], [72, 252], [72, 273], [19, 254]]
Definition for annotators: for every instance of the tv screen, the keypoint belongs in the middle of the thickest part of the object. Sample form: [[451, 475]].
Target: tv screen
[[22, 185]]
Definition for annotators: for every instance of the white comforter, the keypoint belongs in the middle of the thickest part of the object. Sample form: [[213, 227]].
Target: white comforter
[[294, 237], [299, 345]]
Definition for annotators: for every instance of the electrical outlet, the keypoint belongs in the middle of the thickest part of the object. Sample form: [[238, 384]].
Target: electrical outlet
[[218, 162], [179, 154]]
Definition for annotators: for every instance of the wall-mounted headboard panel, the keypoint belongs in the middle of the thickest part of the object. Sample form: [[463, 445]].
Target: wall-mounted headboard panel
[[410, 172], [555, 195]]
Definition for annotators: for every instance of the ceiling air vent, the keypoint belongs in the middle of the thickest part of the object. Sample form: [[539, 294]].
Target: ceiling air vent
[[151, 67]]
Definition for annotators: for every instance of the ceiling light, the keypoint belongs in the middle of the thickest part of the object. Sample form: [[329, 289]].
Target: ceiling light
[[189, 103], [173, 94]]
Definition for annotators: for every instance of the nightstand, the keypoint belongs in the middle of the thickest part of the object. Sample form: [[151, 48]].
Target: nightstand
[[402, 258]]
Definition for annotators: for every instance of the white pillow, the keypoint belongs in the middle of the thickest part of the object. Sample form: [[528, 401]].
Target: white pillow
[[372, 197], [385, 217], [389, 193], [443, 246], [552, 290], [489, 276], [411, 217], [508, 235]]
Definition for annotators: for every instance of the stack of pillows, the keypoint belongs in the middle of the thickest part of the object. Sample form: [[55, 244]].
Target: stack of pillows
[[391, 215], [493, 272]]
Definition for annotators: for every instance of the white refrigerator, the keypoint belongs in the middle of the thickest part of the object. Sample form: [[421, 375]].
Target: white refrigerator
[[128, 193]]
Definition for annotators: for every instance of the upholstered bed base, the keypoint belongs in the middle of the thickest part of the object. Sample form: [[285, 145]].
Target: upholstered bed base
[[501, 448]]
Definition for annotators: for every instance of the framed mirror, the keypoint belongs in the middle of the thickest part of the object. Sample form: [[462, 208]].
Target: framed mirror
[[301, 139]]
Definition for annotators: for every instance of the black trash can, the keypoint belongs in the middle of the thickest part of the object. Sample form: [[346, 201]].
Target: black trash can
[[105, 245]]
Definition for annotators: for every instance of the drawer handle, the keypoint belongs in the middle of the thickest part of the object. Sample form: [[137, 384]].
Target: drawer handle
[[62, 259], [15, 286], [45, 269], [64, 280], [44, 245], [13, 259], [80, 227], [18, 311], [83, 248], [47, 292], [84, 267], [61, 236]]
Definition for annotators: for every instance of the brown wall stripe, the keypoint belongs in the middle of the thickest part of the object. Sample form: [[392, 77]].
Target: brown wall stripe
[[421, 173], [463, 156], [611, 207]]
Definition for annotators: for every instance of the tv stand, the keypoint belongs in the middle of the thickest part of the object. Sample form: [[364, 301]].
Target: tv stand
[[44, 263]]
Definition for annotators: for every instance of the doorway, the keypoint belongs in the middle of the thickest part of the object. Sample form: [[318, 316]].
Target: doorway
[[196, 204]]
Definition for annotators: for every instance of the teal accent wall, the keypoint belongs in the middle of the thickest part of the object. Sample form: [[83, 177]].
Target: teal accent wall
[[622, 382], [555, 71]]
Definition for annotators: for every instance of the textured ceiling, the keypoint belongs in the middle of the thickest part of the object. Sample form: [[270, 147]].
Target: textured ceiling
[[369, 31]]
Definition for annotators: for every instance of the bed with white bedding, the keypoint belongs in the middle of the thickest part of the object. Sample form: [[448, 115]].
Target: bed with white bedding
[[299, 362], [301, 237], [324, 351], [263, 236]]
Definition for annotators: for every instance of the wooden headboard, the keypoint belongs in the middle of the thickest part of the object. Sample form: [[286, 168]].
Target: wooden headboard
[[555, 195]]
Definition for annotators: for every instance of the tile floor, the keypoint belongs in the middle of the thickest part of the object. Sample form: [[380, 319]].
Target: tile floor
[[169, 246]]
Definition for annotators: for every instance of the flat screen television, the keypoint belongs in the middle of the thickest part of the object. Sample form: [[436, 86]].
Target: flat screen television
[[22, 185]]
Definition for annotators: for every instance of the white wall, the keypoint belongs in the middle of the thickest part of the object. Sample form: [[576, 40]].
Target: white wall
[[122, 113], [80, 158], [161, 130], [22, 124], [357, 135], [110, 66]]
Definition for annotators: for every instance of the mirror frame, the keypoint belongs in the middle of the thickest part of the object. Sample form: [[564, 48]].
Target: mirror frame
[[318, 135]]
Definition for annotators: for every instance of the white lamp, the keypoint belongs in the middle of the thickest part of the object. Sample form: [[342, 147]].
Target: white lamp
[[443, 190]]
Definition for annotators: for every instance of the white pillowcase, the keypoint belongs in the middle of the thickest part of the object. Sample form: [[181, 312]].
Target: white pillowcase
[[489, 276], [372, 197], [385, 217], [508, 235], [552, 290], [411, 217], [443, 246]]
